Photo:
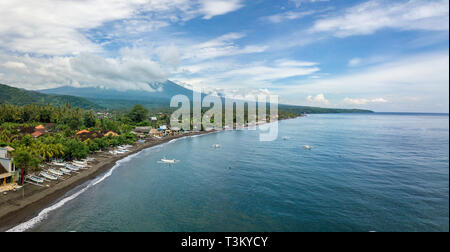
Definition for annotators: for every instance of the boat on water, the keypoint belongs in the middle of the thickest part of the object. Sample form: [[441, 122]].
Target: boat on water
[[286, 138], [307, 147], [55, 172], [35, 179], [168, 161], [217, 146], [48, 176]]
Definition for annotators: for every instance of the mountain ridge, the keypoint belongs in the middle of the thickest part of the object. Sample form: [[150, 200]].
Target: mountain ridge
[[169, 89], [115, 99], [99, 98], [20, 97]]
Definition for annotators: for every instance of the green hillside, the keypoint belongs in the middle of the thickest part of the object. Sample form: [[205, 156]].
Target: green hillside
[[21, 97]]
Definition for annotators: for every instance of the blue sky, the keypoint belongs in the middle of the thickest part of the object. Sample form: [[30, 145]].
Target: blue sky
[[376, 54]]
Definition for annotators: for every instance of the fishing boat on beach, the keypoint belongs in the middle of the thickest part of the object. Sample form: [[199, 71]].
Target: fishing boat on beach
[[48, 176], [55, 172], [80, 162], [65, 171], [35, 179], [59, 164], [80, 166], [72, 168]]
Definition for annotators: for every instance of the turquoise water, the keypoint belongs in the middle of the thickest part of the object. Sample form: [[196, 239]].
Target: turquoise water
[[370, 172]]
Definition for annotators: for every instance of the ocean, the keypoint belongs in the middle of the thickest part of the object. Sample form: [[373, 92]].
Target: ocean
[[365, 172]]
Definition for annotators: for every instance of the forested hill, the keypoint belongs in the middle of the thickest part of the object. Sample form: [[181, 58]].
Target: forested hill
[[16, 96]]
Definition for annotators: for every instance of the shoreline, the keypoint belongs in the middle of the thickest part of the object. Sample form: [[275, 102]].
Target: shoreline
[[14, 210]]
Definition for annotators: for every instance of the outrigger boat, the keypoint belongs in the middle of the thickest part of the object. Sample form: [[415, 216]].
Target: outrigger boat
[[59, 164], [80, 166], [72, 168], [79, 162], [55, 172], [35, 179], [65, 171], [48, 176]]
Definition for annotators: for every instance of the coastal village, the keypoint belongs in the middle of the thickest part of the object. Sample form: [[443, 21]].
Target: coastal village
[[12, 179], [43, 157]]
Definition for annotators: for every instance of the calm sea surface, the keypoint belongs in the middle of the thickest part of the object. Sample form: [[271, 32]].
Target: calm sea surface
[[370, 172]]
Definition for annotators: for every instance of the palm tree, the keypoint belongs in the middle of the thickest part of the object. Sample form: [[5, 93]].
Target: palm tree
[[24, 160], [5, 136]]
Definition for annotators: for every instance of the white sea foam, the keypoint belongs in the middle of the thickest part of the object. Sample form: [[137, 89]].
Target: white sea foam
[[45, 212]]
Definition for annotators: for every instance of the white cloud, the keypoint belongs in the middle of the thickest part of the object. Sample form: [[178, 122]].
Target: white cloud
[[364, 101], [211, 8], [295, 63], [379, 100], [169, 55], [269, 73], [289, 15], [84, 70], [424, 76], [354, 62], [235, 93], [426, 71], [52, 43], [254, 75], [221, 46], [139, 26], [374, 15], [318, 99], [14, 65], [54, 27], [298, 3]]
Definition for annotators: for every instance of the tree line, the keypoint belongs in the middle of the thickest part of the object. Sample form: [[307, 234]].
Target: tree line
[[61, 140]]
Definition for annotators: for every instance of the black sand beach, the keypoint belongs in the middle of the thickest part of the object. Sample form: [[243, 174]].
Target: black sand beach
[[14, 209]]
